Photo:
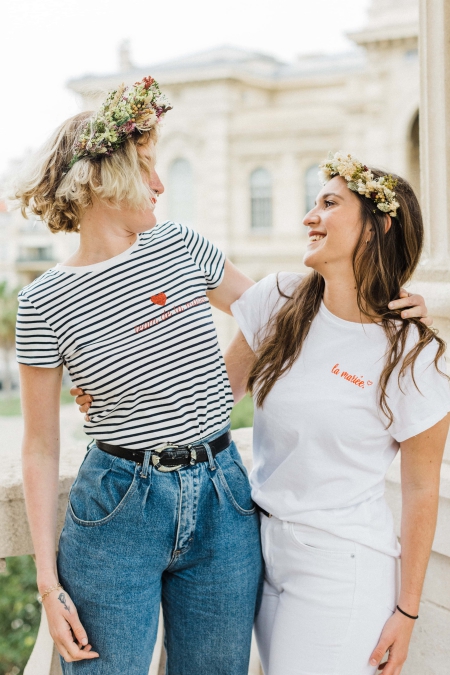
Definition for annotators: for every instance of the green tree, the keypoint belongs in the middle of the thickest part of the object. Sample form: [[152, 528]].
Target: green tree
[[8, 312], [20, 614]]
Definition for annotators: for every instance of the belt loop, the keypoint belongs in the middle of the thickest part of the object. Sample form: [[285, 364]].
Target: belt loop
[[212, 464], [145, 463]]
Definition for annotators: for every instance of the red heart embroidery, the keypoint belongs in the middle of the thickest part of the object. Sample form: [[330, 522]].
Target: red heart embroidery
[[369, 383], [159, 299]]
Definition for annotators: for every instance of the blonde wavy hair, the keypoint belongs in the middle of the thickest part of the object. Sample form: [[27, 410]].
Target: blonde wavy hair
[[48, 189]]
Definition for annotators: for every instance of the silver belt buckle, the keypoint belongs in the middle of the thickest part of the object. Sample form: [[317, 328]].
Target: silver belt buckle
[[156, 460]]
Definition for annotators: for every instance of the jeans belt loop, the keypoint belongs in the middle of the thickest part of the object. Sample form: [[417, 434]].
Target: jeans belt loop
[[145, 463], [212, 464]]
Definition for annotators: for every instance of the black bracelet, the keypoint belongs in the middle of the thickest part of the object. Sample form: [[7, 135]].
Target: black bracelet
[[408, 615]]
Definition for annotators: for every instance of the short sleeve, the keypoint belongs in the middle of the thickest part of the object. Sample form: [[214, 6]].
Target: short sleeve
[[416, 409], [254, 309], [36, 342], [207, 257]]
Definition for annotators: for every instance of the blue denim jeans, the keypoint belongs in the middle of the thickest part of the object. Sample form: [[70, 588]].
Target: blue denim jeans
[[135, 537]]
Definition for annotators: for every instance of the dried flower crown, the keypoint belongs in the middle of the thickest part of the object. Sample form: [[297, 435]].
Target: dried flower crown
[[125, 110], [360, 179]]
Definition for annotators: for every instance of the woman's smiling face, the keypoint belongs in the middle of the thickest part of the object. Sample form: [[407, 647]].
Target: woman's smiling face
[[334, 227]]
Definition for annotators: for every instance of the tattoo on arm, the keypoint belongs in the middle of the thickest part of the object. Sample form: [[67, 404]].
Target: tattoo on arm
[[62, 598]]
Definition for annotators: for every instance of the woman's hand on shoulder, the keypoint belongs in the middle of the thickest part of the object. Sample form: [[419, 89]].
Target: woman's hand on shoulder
[[413, 306], [394, 639], [66, 628], [82, 400]]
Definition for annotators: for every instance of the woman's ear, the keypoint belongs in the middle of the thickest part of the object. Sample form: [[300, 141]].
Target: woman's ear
[[388, 223]]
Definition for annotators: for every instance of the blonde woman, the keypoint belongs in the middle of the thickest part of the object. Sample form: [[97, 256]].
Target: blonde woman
[[161, 509], [341, 383]]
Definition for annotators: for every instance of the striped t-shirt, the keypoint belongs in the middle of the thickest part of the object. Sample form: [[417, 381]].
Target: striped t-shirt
[[136, 332]]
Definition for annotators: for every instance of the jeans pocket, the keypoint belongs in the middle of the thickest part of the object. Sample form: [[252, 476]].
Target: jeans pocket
[[102, 488], [234, 480]]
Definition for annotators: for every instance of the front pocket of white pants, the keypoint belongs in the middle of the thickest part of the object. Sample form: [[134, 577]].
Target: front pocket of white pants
[[319, 542], [102, 488]]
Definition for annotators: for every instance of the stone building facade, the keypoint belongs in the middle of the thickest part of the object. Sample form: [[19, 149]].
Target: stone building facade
[[238, 154]]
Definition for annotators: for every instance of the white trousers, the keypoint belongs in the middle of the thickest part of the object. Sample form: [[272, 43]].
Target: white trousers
[[325, 601]]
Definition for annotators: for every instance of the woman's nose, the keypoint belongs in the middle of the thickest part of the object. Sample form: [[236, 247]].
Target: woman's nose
[[155, 183], [311, 218]]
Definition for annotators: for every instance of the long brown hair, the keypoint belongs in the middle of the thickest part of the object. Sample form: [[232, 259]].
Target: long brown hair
[[381, 267]]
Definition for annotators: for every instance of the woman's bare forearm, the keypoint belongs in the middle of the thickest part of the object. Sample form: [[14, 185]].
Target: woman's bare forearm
[[421, 462], [419, 515], [238, 361], [41, 480], [40, 464]]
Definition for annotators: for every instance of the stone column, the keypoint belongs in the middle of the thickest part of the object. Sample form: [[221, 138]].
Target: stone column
[[429, 647], [433, 276]]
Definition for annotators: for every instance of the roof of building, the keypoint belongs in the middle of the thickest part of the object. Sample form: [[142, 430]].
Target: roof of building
[[225, 62]]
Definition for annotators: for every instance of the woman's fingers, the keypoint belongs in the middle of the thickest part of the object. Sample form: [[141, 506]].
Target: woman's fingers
[[83, 400], [77, 628], [380, 650], [68, 648], [66, 628], [392, 668], [427, 320], [415, 303], [395, 640], [413, 307]]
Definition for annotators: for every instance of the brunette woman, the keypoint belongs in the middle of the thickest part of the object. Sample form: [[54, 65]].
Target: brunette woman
[[341, 383]]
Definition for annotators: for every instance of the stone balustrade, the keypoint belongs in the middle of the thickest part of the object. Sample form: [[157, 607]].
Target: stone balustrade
[[430, 648]]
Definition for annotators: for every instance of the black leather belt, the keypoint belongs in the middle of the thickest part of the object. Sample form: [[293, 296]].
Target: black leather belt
[[169, 456]]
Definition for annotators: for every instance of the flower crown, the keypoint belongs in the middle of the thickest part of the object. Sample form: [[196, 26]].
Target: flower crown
[[125, 110], [360, 179]]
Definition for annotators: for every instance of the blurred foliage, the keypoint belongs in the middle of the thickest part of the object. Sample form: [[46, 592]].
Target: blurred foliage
[[242, 413], [8, 311], [20, 614], [10, 407]]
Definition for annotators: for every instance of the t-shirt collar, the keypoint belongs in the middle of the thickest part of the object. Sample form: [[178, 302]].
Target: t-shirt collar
[[105, 264]]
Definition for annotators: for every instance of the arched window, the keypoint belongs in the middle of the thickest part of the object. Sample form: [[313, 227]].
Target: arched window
[[312, 186], [181, 192], [261, 199]]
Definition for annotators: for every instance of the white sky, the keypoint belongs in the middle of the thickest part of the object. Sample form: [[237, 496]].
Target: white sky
[[44, 43]]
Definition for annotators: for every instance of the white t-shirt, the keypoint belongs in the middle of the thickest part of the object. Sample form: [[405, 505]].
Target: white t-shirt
[[321, 447], [136, 332]]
